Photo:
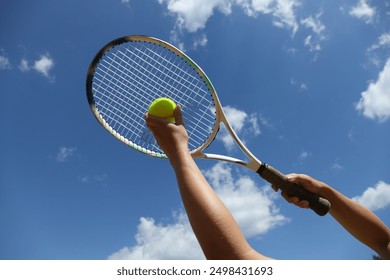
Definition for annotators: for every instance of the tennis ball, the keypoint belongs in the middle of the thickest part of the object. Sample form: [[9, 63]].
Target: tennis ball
[[163, 108]]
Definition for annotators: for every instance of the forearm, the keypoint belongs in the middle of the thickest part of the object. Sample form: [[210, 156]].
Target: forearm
[[215, 228], [213, 225], [359, 221]]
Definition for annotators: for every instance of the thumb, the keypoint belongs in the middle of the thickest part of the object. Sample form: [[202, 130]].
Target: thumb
[[303, 180]]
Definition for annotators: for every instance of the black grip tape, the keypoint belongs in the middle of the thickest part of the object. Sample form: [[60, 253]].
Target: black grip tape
[[318, 204]]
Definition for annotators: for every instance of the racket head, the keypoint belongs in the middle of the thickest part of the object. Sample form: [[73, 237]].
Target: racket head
[[128, 73]]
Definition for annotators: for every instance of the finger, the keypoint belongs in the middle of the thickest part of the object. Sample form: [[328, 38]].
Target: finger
[[300, 203], [303, 204], [292, 178], [147, 119], [305, 181], [154, 121], [178, 115], [290, 199], [275, 188]]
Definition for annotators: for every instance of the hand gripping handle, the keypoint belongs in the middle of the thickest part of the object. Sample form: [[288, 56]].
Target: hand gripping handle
[[318, 204]]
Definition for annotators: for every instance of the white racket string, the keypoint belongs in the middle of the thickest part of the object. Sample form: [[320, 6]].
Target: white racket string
[[131, 75]]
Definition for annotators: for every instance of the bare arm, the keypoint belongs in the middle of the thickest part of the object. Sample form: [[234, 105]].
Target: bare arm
[[359, 221], [215, 228]]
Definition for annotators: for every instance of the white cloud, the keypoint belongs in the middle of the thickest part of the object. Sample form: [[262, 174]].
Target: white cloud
[[375, 101], [374, 51], [241, 123], [4, 61], [201, 41], [383, 42], [65, 153], [313, 42], [304, 155], [236, 117], [192, 15], [158, 241], [363, 11], [284, 14], [282, 11], [351, 135], [254, 124], [44, 65], [23, 65], [314, 24], [336, 166], [302, 86], [252, 207], [375, 198], [98, 178]]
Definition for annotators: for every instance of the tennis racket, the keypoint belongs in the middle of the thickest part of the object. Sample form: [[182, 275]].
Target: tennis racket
[[128, 73]]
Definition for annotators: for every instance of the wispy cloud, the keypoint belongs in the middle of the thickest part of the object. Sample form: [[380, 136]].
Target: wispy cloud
[[375, 198], [253, 208], [200, 41], [65, 153], [192, 15], [336, 166], [314, 40], [241, 122], [383, 42], [375, 101], [282, 11], [304, 155], [351, 135], [375, 51], [302, 86], [363, 11], [23, 65], [98, 178], [43, 66], [4, 61]]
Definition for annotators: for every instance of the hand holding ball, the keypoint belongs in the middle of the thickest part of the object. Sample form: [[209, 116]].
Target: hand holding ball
[[163, 108]]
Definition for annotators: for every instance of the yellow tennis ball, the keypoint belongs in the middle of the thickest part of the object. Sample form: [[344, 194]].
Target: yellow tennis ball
[[163, 108]]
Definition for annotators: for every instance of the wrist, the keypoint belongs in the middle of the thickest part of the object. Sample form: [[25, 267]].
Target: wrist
[[179, 158], [324, 190]]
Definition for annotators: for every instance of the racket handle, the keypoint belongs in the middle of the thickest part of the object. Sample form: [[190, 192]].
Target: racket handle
[[318, 204]]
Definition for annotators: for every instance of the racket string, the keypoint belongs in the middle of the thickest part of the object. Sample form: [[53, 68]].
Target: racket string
[[126, 107]]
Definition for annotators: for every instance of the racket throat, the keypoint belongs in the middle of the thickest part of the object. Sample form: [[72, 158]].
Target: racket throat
[[253, 165]]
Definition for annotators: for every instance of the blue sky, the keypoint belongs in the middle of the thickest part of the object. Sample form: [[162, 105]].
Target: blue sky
[[306, 85]]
